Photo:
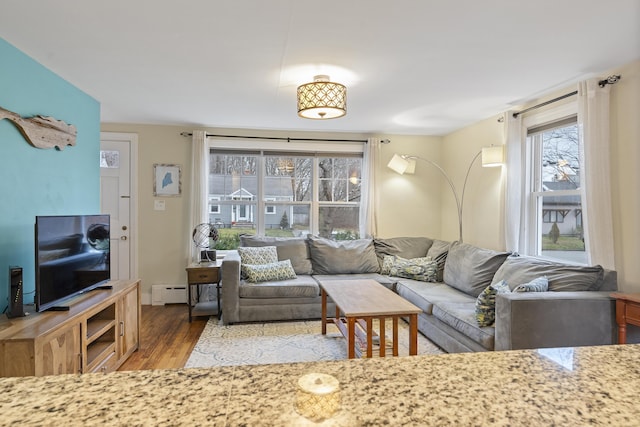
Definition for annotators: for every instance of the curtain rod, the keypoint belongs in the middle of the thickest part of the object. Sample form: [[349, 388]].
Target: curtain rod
[[278, 138], [602, 83]]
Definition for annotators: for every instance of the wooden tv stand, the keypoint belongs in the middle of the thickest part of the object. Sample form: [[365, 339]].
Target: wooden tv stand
[[98, 333]]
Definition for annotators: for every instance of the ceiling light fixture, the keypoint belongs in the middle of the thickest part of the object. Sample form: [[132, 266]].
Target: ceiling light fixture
[[322, 99]]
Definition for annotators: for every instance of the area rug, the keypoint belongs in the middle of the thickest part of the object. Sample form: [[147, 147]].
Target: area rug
[[283, 342]]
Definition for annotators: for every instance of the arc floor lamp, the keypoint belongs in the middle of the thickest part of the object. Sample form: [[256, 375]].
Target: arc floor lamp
[[491, 156]]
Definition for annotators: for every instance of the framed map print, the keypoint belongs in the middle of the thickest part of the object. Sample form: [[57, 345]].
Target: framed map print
[[167, 180]]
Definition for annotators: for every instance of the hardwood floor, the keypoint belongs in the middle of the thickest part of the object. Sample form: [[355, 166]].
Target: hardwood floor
[[166, 338]]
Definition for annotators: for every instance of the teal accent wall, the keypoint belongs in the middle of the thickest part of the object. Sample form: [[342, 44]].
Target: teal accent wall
[[37, 181]]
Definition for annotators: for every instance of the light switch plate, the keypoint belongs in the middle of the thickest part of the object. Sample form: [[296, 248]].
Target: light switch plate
[[158, 205]]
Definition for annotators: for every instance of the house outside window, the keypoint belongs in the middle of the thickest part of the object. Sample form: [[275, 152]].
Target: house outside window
[[554, 204], [285, 194]]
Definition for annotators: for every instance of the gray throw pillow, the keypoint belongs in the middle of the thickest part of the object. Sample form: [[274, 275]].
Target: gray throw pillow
[[562, 277], [342, 257], [438, 252], [470, 269], [291, 248]]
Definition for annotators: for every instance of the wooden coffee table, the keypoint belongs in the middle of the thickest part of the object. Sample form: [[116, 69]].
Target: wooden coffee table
[[358, 302]]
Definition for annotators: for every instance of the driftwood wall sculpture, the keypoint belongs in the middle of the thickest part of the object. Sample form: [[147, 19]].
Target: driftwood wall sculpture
[[42, 132]]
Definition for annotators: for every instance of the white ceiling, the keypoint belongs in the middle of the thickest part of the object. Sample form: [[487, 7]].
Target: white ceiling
[[411, 66]]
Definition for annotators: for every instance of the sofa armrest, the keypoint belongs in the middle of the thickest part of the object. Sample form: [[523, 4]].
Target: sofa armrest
[[554, 319], [230, 287]]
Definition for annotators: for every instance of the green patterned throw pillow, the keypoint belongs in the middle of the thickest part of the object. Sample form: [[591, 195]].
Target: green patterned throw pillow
[[281, 270], [424, 269], [256, 256], [486, 302], [387, 263]]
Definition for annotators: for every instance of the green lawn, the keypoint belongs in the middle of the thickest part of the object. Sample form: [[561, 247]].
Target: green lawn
[[565, 243], [229, 238]]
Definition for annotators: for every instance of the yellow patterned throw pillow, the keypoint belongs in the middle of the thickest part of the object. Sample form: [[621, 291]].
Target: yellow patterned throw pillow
[[255, 256], [387, 263], [486, 302], [281, 270]]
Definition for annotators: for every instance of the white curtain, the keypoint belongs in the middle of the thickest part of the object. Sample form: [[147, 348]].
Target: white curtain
[[370, 160], [514, 230], [593, 123], [199, 186]]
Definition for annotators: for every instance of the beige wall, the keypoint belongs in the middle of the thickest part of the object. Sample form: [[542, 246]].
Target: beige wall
[[409, 205], [482, 203], [625, 179]]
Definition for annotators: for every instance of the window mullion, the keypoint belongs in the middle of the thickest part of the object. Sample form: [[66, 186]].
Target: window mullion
[[315, 205], [260, 207]]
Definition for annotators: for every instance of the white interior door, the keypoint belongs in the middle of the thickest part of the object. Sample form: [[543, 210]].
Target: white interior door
[[115, 200]]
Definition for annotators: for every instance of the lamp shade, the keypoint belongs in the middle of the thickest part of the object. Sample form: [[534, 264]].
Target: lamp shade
[[398, 164], [322, 99], [492, 156]]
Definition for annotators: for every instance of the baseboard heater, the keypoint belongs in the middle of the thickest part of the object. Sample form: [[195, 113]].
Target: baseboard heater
[[168, 294]]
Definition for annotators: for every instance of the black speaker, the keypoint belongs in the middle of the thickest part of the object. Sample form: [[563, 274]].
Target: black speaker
[[15, 292]]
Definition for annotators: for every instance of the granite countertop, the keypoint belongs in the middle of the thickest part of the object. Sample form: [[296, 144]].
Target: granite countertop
[[570, 386]]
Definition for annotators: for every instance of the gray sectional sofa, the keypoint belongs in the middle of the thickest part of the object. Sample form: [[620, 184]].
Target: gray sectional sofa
[[576, 310]]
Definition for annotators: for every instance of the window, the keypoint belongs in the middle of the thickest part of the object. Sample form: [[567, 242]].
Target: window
[[549, 216], [213, 207], [270, 209], [554, 205], [285, 194]]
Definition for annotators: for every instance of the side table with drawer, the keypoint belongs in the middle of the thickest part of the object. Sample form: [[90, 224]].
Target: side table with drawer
[[206, 273]]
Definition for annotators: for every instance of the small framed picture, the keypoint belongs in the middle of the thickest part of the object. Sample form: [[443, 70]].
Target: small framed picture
[[167, 180]]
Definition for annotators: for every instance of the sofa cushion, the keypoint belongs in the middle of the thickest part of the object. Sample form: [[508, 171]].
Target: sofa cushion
[[387, 281], [426, 294], [424, 269], [540, 284], [292, 248], [405, 247], [461, 317], [301, 286], [281, 270], [438, 252], [486, 302], [344, 256], [562, 277], [470, 268]]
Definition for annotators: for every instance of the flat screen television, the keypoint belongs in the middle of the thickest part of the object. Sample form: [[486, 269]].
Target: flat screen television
[[72, 256]]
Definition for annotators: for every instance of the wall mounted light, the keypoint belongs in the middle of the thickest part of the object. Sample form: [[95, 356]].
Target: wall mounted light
[[322, 99]]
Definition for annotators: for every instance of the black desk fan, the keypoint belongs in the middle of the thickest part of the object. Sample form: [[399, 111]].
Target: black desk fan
[[204, 237]]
